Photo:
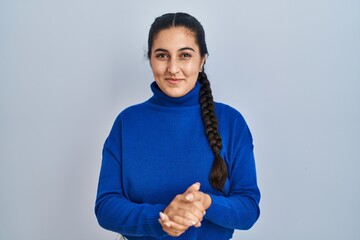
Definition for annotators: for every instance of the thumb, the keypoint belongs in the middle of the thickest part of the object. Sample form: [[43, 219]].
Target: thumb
[[193, 187], [189, 196]]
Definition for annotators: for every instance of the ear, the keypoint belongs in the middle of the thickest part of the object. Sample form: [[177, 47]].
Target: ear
[[202, 62]]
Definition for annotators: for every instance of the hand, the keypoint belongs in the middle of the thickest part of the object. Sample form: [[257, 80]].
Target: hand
[[185, 210], [173, 220], [198, 196]]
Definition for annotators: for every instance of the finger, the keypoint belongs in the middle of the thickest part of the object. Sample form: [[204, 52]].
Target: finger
[[175, 232], [163, 216], [189, 215], [173, 225], [198, 224], [193, 187], [185, 221], [198, 209], [194, 196], [198, 196], [165, 220], [193, 211], [164, 223]]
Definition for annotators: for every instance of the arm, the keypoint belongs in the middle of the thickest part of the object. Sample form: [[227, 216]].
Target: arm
[[113, 210], [240, 209]]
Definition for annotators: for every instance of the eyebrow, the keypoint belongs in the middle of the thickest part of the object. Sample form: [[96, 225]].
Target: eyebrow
[[181, 49]]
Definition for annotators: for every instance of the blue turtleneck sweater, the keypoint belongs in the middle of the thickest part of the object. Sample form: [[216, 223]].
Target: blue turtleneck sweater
[[156, 150]]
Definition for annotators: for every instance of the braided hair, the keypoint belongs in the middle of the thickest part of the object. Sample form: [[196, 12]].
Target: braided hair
[[219, 171]]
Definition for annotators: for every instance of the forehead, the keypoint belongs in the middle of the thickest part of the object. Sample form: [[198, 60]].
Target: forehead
[[175, 37]]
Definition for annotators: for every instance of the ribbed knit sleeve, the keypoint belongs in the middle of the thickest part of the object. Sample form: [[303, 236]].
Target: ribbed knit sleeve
[[239, 209], [113, 210]]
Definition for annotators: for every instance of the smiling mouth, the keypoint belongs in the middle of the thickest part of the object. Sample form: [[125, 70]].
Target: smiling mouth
[[173, 80]]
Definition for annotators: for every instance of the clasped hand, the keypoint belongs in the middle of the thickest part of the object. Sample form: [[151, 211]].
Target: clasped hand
[[185, 210]]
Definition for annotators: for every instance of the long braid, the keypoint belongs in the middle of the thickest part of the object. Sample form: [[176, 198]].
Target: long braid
[[219, 171]]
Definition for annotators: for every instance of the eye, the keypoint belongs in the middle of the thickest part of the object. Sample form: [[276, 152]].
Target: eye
[[162, 56], [185, 55]]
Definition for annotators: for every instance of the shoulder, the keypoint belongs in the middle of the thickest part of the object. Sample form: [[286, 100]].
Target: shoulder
[[231, 121], [234, 129], [224, 111], [132, 110], [128, 114]]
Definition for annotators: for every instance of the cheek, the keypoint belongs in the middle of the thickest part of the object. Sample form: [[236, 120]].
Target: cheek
[[159, 65], [191, 68], [156, 68]]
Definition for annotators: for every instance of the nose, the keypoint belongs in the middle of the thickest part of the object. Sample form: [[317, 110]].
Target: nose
[[173, 66]]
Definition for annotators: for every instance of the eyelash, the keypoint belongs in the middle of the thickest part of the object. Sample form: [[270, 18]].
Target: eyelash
[[185, 55], [164, 55]]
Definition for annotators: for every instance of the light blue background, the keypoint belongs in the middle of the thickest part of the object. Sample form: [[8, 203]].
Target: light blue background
[[291, 67]]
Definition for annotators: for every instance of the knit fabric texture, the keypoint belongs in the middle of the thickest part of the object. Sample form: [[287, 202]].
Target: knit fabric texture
[[156, 150]]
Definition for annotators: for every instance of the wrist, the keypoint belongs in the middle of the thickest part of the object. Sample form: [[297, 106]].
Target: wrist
[[208, 201]]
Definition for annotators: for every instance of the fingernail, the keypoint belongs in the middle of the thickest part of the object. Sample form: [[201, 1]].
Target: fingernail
[[198, 224], [162, 216], [167, 224], [204, 213], [189, 197]]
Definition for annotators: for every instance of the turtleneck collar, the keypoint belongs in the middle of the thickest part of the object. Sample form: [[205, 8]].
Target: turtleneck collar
[[189, 99]]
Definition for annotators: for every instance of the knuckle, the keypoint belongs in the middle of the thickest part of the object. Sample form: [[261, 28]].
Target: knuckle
[[193, 209], [172, 217], [188, 215]]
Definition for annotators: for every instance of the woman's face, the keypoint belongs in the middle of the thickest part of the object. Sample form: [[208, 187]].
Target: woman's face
[[175, 61]]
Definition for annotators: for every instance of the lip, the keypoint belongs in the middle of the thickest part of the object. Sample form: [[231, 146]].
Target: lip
[[173, 80]]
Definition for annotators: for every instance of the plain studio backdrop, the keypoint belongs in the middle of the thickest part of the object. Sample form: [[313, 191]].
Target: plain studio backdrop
[[292, 68]]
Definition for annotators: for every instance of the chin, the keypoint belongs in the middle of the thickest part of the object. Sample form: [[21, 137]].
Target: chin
[[175, 94]]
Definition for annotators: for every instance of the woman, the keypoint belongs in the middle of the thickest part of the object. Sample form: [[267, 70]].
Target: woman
[[178, 165]]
